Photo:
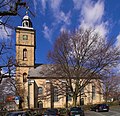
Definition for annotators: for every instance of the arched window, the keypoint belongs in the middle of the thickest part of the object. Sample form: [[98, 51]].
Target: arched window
[[55, 94], [25, 23], [40, 90], [69, 95], [93, 92], [24, 77], [24, 54]]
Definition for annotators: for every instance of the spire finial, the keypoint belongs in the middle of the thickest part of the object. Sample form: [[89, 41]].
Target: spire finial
[[27, 10]]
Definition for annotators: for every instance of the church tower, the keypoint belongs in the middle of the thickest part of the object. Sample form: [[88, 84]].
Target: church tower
[[25, 49]]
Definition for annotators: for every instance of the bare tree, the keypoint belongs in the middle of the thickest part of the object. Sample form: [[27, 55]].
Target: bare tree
[[10, 9], [7, 60], [81, 56], [12, 87], [111, 88]]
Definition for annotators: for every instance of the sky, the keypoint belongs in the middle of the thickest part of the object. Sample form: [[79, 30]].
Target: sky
[[54, 16]]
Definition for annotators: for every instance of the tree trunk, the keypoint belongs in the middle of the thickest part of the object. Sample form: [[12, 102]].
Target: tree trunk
[[74, 100]]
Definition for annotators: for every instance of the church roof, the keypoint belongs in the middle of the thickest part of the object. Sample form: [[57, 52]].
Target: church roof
[[43, 71], [47, 71]]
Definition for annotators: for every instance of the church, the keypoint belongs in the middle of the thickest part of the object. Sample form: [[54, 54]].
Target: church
[[36, 80]]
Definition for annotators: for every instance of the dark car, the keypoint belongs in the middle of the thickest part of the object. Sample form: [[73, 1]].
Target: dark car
[[51, 112], [100, 107], [18, 113], [76, 111]]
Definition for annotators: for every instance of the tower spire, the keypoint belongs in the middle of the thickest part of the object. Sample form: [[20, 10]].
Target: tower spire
[[27, 10], [26, 22]]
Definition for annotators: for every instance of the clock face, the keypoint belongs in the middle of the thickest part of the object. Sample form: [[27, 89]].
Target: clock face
[[25, 37]]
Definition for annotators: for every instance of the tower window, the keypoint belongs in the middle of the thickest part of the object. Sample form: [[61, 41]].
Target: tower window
[[24, 54], [26, 23], [24, 77], [25, 37]]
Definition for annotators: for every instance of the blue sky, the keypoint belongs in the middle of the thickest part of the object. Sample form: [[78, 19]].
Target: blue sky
[[53, 16]]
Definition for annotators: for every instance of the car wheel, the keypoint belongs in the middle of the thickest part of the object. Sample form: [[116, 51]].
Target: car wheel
[[96, 110]]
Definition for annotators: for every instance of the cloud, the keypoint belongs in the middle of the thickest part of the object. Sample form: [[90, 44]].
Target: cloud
[[65, 18], [78, 4], [117, 44], [93, 12], [5, 32], [58, 16], [35, 4], [92, 17], [47, 32], [43, 4], [40, 4], [55, 5], [118, 41]]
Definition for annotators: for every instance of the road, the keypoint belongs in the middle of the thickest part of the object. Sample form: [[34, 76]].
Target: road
[[113, 112]]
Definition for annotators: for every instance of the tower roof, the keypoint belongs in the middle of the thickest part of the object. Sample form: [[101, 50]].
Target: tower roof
[[26, 17], [26, 22]]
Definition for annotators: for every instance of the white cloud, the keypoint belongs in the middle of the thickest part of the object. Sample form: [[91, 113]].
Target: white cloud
[[55, 5], [5, 32], [62, 29], [92, 17], [58, 14], [101, 29], [93, 12], [118, 41], [60, 18], [78, 4], [43, 2], [47, 32], [65, 18], [35, 4], [117, 44]]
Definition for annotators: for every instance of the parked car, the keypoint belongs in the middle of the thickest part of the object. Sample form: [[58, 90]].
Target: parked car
[[100, 107], [51, 112], [76, 111], [18, 113]]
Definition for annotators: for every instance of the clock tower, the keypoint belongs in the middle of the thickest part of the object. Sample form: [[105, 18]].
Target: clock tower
[[25, 49]]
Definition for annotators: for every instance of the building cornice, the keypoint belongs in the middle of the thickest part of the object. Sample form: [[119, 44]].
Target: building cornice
[[25, 45]]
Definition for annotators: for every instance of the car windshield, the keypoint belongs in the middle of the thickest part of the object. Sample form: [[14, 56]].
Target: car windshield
[[103, 105], [17, 114], [49, 111], [75, 109]]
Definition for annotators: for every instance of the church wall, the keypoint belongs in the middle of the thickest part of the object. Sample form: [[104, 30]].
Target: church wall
[[62, 99]]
